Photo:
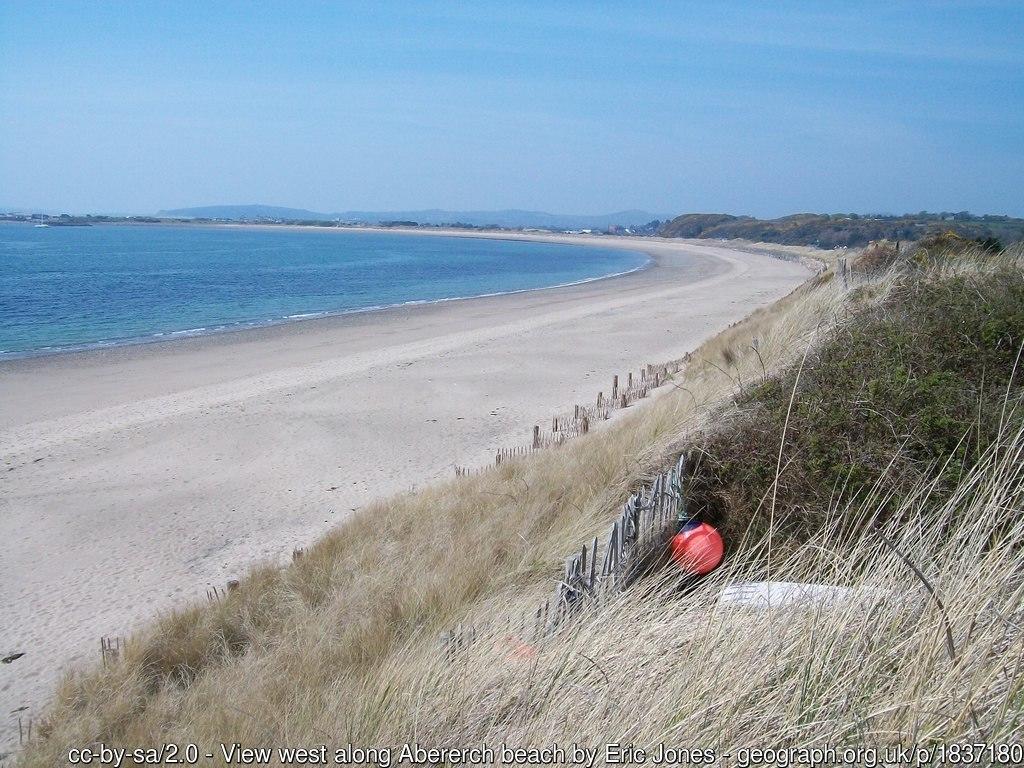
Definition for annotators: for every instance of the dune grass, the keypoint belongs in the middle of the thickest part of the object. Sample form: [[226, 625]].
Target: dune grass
[[657, 666], [342, 645]]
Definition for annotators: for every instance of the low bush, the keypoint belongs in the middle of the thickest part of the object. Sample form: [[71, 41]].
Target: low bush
[[916, 384]]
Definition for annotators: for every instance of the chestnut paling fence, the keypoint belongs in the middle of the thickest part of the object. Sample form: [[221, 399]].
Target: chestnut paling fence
[[646, 522], [635, 542], [638, 536], [621, 395]]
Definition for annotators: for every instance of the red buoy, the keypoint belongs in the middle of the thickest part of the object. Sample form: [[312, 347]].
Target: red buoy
[[697, 548]]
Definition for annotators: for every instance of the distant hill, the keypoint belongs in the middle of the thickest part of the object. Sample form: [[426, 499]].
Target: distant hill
[[843, 229], [244, 212], [506, 218]]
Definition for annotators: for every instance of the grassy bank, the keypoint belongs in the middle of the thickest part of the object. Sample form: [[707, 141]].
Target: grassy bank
[[342, 645]]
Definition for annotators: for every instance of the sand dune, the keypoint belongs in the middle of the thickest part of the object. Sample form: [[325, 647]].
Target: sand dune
[[134, 478]]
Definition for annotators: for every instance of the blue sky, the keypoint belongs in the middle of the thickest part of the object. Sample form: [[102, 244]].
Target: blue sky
[[761, 108]]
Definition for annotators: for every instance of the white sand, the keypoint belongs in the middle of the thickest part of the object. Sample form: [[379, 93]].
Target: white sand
[[134, 478]]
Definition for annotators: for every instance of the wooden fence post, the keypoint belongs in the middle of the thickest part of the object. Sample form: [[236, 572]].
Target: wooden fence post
[[644, 519]]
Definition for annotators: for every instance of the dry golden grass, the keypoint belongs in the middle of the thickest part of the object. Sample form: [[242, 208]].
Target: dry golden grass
[[658, 666], [342, 645]]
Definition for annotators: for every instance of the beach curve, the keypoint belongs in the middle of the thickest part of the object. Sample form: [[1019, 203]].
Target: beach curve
[[161, 469]]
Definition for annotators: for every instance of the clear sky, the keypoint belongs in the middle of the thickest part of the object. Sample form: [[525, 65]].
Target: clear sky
[[765, 108]]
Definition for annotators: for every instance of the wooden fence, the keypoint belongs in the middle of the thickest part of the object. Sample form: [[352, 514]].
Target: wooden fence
[[637, 538], [622, 395], [111, 648], [635, 543]]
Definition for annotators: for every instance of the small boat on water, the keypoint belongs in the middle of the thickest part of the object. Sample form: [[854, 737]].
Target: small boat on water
[[41, 225]]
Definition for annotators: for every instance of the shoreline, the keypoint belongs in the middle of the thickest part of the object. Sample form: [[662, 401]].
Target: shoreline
[[138, 476], [177, 336], [167, 353]]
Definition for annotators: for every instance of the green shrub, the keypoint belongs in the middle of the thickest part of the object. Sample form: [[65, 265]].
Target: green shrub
[[910, 386]]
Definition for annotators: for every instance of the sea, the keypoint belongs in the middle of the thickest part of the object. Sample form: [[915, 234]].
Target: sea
[[74, 288]]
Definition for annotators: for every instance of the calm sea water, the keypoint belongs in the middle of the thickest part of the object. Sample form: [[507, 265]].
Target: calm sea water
[[65, 288]]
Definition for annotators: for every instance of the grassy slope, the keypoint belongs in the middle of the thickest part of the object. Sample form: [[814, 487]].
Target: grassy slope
[[342, 645]]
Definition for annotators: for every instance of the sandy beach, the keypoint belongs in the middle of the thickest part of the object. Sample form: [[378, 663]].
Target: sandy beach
[[133, 478]]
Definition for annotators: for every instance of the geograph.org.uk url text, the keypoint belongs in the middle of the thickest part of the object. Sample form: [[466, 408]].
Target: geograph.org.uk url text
[[612, 753]]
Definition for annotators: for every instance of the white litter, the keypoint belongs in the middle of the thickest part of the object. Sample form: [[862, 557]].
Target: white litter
[[789, 594]]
